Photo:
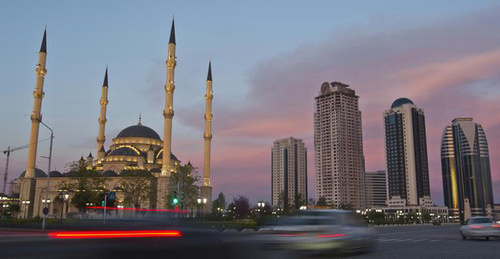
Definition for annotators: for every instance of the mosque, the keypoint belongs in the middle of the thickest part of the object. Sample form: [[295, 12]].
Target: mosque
[[136, 147]]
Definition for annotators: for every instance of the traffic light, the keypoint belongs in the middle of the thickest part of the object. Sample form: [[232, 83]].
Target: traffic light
[[102, 203], [175, 201]]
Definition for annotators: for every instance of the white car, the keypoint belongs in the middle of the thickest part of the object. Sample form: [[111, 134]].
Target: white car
[[480, 227], [317, 232]]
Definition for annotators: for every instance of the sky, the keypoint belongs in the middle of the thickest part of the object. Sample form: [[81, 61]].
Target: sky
[[269, 59]]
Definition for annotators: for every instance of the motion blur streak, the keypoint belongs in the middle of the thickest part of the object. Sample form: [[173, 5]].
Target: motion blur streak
[[476, 226], [139, 209], [333, 235], [114, 234], [291, 235]]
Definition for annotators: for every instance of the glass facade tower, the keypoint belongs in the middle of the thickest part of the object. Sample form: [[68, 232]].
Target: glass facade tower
[[406, 154], [466, 169]]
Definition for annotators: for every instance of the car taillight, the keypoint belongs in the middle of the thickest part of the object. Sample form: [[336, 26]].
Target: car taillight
[[496, 225], [114, 234], [332, 235], [476, 226]]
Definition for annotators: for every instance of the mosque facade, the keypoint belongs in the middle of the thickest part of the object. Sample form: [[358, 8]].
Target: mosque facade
[[136, 147]]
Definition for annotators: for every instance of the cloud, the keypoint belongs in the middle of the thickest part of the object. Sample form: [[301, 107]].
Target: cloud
[[438, 65], [448, 67]]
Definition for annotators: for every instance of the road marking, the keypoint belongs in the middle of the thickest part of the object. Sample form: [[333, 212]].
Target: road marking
[[387, 239], [420, 240], [435, 240]]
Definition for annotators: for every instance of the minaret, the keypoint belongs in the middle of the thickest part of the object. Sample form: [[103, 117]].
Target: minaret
[[207, 136], [168, 113], [101, 138], [28, 183], [36, 115], [206, 189]]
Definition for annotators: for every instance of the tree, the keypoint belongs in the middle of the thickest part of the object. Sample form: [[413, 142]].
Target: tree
[[137, 187], [375, 217], [87, 186], [218, 206], [345, 206], [284, 202], [426, 217], [299, 201], [240, 207], [182, 186], [322, 202]]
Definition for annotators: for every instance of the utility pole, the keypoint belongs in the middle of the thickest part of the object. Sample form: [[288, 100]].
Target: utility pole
[[48, 172]]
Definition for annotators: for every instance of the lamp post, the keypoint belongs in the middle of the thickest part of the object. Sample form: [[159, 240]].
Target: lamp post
[[4, 207], [200, 202], [46, 204], [48, 171], [63, 196], [261, 205], [26, 203]]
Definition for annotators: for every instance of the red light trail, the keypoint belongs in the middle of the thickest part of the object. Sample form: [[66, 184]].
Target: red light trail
[[139, 209], [114, 234]]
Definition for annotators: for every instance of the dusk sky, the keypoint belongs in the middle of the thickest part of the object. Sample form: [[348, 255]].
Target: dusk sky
[[269, 59]]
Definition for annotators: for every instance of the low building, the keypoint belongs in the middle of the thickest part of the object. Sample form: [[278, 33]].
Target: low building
[[375, 188], [435, 213]]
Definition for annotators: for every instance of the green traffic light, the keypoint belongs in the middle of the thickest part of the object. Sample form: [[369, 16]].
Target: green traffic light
[[176, 200]]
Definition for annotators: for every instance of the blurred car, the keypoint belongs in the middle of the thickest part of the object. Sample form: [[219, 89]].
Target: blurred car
[[480, 227], [318, 232]]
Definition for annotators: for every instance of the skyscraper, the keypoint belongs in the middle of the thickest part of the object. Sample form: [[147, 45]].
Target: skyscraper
[[466, 169], [375, 189], [406, 154], [289, 171], [338, 146]]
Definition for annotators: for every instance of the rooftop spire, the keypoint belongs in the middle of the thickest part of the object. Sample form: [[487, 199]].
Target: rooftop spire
[[209, 76], [140, 117], [105, 83], [172, 33], [43, 48]]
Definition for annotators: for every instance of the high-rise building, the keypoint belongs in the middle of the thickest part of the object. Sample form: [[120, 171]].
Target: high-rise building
[[338, 146], [465, 164], [406, 155], [375, 189], [289, 171]]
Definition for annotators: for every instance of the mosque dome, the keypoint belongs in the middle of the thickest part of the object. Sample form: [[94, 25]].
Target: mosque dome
[[172, 156], [55, 174], [400, 102], [38, 173], [124, 151], [138, 131]]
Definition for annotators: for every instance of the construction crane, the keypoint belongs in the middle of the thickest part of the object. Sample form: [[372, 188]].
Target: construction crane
[[7, 152]]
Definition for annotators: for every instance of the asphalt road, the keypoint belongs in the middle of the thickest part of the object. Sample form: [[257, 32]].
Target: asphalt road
[[393, 242], [430, 242]]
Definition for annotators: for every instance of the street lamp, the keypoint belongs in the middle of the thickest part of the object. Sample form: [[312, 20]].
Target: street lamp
[[201, 201], [48, 171], [26, 203], [63, 196]]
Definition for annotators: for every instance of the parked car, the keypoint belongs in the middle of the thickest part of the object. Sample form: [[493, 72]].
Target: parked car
[[318, 232], [480, 227]]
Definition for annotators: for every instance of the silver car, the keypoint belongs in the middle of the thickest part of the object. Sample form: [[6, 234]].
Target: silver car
[[318, 232], [480, 227]]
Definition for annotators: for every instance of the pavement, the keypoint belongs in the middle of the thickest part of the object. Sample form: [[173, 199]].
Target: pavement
[[427, 241], [420, 241]]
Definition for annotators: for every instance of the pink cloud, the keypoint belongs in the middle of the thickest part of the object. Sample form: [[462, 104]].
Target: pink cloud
[[441, 66]]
